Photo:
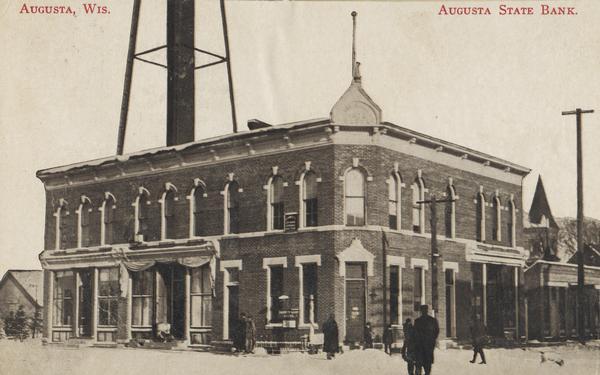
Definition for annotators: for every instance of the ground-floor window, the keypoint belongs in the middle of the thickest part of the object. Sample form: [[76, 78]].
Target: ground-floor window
[[276, 289], [201, 296], [141, 298], [418, 288], [394, 294], [309, 291], [64, 283], [108, 296]]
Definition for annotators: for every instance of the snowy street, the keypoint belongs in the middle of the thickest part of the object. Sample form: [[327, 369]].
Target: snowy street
[[33, 358]]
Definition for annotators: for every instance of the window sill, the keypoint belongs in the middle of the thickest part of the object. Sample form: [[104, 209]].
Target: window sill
[[307, 326], [274, 325]]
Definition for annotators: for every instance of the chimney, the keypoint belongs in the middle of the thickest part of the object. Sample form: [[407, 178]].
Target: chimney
[[180, 62]]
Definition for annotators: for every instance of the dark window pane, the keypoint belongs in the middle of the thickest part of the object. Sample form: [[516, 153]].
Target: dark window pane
[[355, 271], [276, 292], [309, 288], [394, 294], [310, 208]]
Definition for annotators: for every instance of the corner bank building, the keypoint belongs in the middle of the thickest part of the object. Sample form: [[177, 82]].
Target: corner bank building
[[316, 217]]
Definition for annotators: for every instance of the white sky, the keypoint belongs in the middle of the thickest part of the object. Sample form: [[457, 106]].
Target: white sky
[[493, 83]]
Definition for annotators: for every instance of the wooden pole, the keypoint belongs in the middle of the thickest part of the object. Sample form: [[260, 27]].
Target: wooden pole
[[580, 218], [228, 61]]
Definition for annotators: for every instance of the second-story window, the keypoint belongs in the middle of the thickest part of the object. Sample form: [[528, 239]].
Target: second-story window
[[309, 199], [108, 216], [276, 203], [418, 213], [355, 197], [83, 238], [480, 217], [450, 212], [60, 217], [497, 219], [394, 201], [169, 224], [232, 207], [511, 232], [198, 209], [142, 214]]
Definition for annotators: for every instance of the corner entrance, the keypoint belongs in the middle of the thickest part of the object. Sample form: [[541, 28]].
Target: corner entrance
[[355, 301]]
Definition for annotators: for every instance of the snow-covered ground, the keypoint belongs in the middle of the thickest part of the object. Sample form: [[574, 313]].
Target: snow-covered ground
[[33, 358]]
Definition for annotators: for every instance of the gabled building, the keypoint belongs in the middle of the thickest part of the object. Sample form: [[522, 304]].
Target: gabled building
[[551, 284], [21, 288], [289, 224]]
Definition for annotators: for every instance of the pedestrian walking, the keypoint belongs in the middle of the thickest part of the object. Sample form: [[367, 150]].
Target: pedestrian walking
[[426, 332], [388, 339], [331, 343], [250, 330], [239, 337], [408, 346], [368, 336], [478, 339]]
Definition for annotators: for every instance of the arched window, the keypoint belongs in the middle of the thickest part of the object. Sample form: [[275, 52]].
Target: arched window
[[83, 219], [232, 206], [276, 207], [355, 197], [480, 217], [450, 212], [108, 216], [512, 240], [61, 235], [418, 212], [169, 220], [394, 194], [309, 199], [198, 209], [497, 219], [142, 203]]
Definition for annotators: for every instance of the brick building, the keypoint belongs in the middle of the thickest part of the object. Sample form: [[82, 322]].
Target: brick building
[[299, 220], [195, 233], [551, 285]]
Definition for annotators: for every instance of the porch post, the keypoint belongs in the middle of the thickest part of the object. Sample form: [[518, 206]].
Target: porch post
[[187, 288], [484, 296], [49, 305], [129, 306], [94, 327], [76, 297], [517, 336]]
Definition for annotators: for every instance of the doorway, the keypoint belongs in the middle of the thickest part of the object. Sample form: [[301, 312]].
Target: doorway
[[355, 301], [85, 303], [170, 297]]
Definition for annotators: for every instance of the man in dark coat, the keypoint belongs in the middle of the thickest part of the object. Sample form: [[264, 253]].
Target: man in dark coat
[[478, 339], [368, 336], [388, 339], [408, 346], [426, 333], [331, 343], [250, 334], [239, 334]]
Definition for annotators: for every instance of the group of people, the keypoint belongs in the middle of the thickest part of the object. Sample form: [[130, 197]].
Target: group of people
[[419, 341], [244, 334]]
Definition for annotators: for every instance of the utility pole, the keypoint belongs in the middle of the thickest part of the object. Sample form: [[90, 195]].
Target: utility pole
[[434, 249], [580, 269]]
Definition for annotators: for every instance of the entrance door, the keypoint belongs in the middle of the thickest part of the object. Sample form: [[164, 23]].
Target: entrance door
[[170, 298], [85, 304], [450, 303], [355, 301], [234, 310], [178, 302]]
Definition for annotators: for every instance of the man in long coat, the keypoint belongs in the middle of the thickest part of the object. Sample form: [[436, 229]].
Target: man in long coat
[[426, 331], [331, 343]]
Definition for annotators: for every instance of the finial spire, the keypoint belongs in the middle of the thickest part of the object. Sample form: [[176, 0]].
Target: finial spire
[[355, 64]]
